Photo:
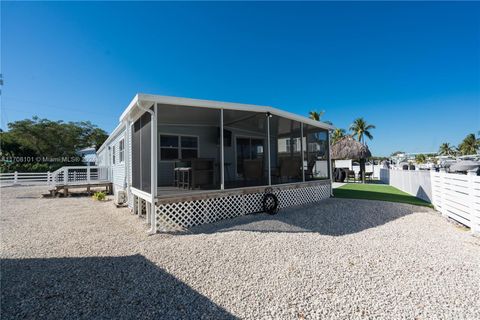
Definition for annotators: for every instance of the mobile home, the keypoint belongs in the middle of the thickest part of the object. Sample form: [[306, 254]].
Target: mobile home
[[183, 162]]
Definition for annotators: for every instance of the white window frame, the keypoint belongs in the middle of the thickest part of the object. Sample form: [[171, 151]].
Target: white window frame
[[179, 137], [113, 155], [121, 150]]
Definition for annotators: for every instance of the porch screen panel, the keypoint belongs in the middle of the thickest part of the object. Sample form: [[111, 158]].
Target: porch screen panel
[[316, 153], [136, 151], [188, 149], [285, 150], [245, 148], [146, 155]]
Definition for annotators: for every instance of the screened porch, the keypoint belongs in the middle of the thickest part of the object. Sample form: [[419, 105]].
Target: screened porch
[[199, 150]]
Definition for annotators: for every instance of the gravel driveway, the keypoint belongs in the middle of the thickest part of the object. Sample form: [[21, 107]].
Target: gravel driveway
[[77, 258]]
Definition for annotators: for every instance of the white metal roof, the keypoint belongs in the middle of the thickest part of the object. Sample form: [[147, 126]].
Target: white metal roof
[[168, 100], [111, 136]]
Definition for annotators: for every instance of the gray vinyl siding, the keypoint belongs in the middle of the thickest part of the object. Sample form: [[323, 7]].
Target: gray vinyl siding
[[102, 158], [118, 169]]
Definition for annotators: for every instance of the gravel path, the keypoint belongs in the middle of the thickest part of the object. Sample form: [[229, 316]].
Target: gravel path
[[338, 259]]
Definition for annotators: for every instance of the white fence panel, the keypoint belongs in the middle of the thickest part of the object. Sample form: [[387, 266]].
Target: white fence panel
[[458, 197], [416, 183], [24, 178], [64, 175]]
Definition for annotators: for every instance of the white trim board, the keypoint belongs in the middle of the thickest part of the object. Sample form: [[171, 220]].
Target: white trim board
[[178, 101], [141, 194]]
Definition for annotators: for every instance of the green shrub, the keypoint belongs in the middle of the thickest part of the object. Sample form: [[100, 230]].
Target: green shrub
[[100, 196]]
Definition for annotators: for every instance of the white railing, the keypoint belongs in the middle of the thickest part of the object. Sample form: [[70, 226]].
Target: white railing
[[77, 175], [458, 197], [23, 178], [62, 176]]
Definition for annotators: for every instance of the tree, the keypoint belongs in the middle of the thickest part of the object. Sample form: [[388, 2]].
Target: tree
[[45, 139], [420, 158], [337, 135], [317, 116], [446, 149], [469, 145], [361, 129]]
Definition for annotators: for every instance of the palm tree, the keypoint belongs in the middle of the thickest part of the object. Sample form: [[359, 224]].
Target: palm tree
[[469, 145], [361, 129], [317, 116], [420, 158], [445, 149], [337, 135]]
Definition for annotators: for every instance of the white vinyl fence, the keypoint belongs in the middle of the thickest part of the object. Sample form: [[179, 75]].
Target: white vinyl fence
[[417, 183], [456, 196], [65, 176], [25, 178]]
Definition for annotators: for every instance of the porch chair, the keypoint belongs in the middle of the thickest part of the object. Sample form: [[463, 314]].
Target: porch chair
[[369, 176], [290, 169], [350, 174], [179, 173]]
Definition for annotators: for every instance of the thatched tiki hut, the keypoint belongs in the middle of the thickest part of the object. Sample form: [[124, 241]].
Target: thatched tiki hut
[[349, 148]]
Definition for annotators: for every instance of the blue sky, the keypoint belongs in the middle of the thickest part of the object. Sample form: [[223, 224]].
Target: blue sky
[[412, 69]]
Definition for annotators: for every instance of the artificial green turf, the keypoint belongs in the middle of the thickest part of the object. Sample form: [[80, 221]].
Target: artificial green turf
[[377, 192]]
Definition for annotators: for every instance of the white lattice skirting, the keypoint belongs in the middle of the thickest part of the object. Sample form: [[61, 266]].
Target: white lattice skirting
[[181, 215]]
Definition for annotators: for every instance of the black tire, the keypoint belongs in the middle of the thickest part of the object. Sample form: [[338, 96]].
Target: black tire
[[270, 203]]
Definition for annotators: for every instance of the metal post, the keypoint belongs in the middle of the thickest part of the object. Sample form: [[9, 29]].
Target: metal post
[[135, 207], [148, 214], [139, 206], [154, 164], [222, 153], [268, 151], [65, 175], [49, 177], [126, 160], [88, 174], [15, 177], [301, 150], [330, 163]]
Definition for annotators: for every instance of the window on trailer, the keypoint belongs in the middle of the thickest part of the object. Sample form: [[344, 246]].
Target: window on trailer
[[174, 147], [113, 155], [188, 147], [121, 150]]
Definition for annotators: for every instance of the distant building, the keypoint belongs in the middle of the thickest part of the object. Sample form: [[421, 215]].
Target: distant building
[[89, 155]]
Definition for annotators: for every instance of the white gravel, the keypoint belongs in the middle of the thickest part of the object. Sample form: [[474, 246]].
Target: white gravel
[[77, 258]]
